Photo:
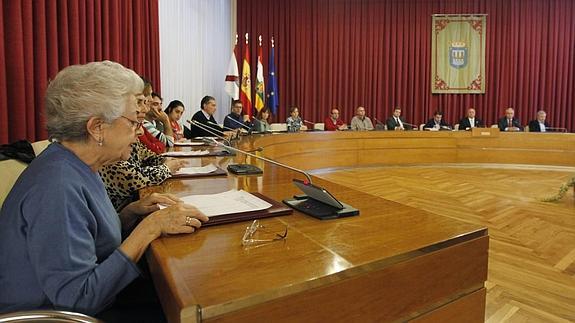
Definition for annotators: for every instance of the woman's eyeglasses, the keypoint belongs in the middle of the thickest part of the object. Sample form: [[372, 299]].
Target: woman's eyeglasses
[[248, 238], [133, 123]]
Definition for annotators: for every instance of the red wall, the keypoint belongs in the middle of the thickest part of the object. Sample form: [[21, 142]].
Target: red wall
[[347, 53]]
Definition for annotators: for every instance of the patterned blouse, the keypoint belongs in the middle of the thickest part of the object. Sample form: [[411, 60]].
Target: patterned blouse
[[293, 125], [123, 179]]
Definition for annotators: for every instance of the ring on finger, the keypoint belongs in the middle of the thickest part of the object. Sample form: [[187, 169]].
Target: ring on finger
[[189, 220]]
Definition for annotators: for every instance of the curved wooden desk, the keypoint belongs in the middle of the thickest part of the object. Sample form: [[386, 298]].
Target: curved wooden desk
[[391, 263]]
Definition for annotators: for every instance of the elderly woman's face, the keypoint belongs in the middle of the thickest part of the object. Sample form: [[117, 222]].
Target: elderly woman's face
[[122, 132]]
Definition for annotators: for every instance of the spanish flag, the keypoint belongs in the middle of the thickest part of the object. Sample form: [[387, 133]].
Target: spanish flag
[[260, 86], [246, 92]]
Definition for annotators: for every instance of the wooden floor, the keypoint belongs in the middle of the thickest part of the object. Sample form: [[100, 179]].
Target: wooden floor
[[532, 246]]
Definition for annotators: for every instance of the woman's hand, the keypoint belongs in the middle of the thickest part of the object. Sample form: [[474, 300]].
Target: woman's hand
[[151, 203], [175, 164], [179, 218]]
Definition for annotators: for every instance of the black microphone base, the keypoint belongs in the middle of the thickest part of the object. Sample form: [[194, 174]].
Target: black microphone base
[[244, 169], [320, 210]]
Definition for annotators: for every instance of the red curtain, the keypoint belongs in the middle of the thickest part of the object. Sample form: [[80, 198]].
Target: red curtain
[[40, 37], [347, 53]]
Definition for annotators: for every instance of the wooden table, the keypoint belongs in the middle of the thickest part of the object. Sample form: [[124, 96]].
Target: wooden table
[[391, 263]]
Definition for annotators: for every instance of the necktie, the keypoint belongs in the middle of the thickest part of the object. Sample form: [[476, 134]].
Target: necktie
[[509, 122]]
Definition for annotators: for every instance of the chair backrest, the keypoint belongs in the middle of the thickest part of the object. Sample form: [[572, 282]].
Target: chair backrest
[[526, 128], [11, 169], [47, 316], [278, 127], [421, 126], [456, 126], [319, 126]]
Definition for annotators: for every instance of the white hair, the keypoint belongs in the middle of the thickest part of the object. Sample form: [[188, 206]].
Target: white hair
[[80, 92]]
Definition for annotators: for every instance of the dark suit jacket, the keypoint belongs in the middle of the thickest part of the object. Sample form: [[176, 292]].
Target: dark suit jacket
[[464, 123], [431, 124], [534, 126], [391, 123], [503, 123], [196, 131]]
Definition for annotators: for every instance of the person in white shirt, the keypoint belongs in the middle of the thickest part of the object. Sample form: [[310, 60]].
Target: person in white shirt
[[360, 121]]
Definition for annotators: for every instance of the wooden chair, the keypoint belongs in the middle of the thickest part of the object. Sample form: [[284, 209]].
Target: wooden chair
[[11, 169], [47, 316]]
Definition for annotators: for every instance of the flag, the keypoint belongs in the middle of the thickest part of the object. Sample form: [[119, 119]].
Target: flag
[[260, 85], [246, 92], [273, 97], [233, 77]]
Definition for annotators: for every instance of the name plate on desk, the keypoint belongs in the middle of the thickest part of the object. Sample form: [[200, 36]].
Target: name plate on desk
[[485, 132]]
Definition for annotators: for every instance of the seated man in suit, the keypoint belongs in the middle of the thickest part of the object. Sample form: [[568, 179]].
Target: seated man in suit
[[509, 122], [235, 119], [437, 122], [360, 122], [397, 122], [539, 125], [470, 121], [333, 122], [206, 113]]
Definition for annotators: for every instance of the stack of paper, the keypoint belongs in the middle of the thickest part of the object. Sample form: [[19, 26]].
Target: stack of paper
[[229, 202], [197, 170], [186, 153], [189, 143]]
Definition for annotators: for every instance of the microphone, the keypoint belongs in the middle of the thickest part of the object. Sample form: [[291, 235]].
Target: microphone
[[308, 177], [310, 123], [227, 128], [240, 123], [209, 130], [317, 201], [557, 129], [410, 124]]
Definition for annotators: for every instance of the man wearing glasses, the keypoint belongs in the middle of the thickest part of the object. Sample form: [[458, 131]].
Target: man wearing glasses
[[333, 122]]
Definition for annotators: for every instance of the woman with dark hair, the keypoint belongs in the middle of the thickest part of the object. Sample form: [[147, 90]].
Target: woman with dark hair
[[261, 122], [174, 111]]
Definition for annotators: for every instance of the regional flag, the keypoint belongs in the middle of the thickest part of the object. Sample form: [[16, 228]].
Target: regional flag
[[233, 76], [246, 93], [273, 96], [260, 85]]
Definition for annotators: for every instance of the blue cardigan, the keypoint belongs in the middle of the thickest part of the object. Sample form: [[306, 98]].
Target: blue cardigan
[[59, 239]]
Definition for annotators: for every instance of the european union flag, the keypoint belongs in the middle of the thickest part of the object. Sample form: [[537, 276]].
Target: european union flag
[[273, 96]]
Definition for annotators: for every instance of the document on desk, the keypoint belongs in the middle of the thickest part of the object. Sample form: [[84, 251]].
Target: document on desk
[[197, 170], [229, 202], [186, 153], [189, 143]]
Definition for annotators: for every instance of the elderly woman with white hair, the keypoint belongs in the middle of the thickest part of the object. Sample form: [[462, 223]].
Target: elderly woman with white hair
[[60, 237]]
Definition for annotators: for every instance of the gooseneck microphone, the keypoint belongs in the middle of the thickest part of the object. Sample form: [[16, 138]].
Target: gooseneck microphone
[[209, 130], [317, 201], [226, 128], [308, 177], [239, 123]]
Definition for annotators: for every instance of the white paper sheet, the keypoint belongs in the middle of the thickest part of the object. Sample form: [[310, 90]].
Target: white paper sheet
[[189, 143], [232, 201], [197, 170], [186, 153]]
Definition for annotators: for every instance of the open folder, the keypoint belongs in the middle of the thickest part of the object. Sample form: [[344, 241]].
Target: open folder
[[235, 206]]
